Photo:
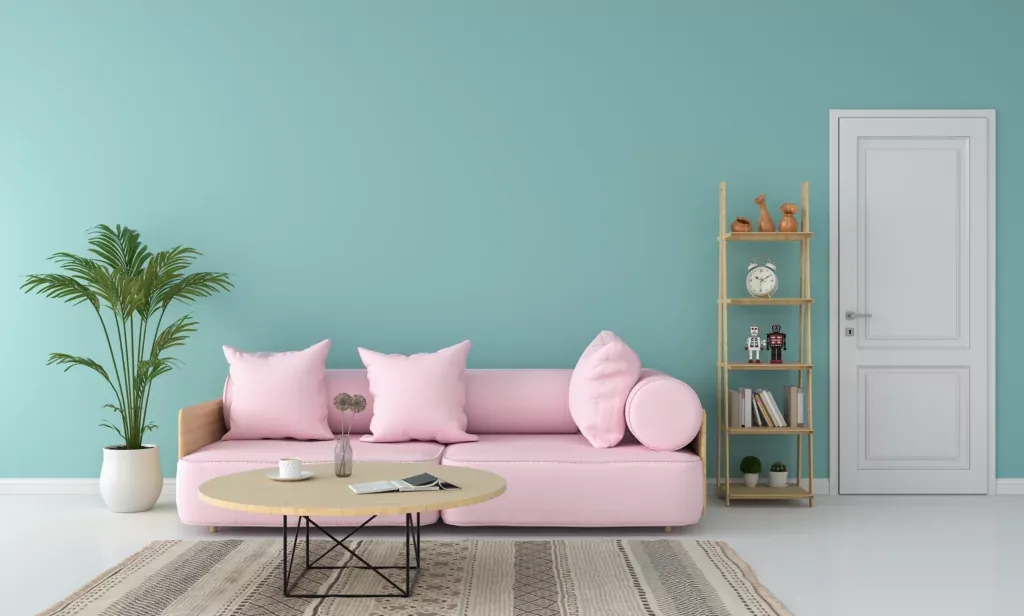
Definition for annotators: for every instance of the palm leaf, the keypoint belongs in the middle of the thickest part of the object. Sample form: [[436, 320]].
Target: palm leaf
[[194, 286], [71, 361], [149, 369], [174, 335], [60, 286], [163, 271], [119, 248], [107, 424]]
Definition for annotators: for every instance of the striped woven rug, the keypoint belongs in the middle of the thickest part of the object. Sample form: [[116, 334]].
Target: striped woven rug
[[460, 578]]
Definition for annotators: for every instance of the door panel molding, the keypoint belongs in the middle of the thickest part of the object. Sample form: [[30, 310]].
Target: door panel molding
[[892, 380], [836, 319]]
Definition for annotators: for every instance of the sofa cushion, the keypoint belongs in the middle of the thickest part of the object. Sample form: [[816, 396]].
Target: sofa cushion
[[226, 457], [277, 395], [418, 397], [663, 413], [561, 480], [603, 377]]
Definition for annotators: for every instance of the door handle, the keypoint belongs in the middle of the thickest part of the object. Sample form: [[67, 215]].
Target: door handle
[[851, 315]]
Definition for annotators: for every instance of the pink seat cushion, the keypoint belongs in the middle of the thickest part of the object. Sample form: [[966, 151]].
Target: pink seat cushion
[[226, 457], [418, 397], [562, 480], [663, 413], [277, 395], [603, 377]]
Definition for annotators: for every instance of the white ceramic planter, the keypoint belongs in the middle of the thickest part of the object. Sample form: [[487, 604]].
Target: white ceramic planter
[[750, 479], [778, 479], [130, 480]]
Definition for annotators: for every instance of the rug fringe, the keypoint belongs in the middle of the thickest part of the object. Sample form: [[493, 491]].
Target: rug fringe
[[748, 573], [56, 608]]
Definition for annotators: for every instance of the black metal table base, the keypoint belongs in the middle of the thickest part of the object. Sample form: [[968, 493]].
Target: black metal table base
[[411, 566]]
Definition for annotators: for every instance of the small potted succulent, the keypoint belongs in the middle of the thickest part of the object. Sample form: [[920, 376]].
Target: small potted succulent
[[778, 476], [750, 466]]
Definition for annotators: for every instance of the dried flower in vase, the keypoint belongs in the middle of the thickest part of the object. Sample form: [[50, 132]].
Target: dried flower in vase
[[345, 402]]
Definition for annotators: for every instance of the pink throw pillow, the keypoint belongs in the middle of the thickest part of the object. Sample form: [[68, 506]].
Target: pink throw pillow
[[600, 383], [418, 398], [278, 395]]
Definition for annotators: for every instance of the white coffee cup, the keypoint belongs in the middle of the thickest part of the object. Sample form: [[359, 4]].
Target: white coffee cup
[[289, 468]]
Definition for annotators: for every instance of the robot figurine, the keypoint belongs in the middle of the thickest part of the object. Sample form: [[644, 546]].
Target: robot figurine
[[754, 345], [776, 343]]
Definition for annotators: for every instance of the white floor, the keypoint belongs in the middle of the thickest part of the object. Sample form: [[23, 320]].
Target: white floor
[[847, 555]]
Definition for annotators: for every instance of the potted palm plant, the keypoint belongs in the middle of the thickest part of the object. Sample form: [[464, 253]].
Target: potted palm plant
[[130, 289]]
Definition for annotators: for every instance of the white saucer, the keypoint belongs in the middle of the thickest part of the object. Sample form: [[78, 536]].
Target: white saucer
[[304, 476]]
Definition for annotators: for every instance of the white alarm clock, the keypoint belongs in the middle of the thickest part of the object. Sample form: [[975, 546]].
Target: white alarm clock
[[762, 280]]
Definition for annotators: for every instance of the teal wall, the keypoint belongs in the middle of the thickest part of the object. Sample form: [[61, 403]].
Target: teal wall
[[406, 175]]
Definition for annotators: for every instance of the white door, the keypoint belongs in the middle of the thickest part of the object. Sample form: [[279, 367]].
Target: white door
[[913, 304]]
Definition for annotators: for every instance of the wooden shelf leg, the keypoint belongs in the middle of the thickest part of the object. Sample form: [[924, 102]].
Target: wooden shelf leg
[[727, 475], [799, 447], [810, 466]]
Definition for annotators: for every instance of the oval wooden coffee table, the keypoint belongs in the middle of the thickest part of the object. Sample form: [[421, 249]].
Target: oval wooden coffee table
[[327, 495]]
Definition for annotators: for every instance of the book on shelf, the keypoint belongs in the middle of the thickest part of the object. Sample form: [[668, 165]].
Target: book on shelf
[[739, 408], [735, 412], [780, 419], [795, 406], [763, 418]]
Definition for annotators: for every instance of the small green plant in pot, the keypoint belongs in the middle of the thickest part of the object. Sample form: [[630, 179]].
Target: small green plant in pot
[[130, 289], [778, 476], [750, 466]]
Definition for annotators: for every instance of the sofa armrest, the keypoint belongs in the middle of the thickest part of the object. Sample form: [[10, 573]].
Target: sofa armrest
[[200, 425], [700, 447]]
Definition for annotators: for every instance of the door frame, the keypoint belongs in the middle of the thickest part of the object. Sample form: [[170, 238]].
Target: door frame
[[834, 322]]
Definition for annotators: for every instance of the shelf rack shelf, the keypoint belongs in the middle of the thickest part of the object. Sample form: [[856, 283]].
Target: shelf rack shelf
[[765, 493], [787, 430], [767, 367], [803, 366], [756, 236], [767, 301]]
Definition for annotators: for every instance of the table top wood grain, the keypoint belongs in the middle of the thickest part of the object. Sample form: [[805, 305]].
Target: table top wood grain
[[327, 495]]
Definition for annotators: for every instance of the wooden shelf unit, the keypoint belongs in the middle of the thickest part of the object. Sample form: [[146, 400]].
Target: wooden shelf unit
[[803, 366]]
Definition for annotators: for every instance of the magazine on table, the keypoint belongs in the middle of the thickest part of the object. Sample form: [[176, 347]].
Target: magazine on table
[[424, 482]]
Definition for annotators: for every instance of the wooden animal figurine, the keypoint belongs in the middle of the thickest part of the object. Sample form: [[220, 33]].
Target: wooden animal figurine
[[765, 224], [788, 224], [741, 225]]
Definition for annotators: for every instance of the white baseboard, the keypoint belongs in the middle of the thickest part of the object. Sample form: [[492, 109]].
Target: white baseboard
[[820, 484], [1010, 487], [1004, 487], [62, 486]]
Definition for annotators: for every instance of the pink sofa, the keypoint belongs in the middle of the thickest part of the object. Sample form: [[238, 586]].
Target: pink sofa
[[554, 476]]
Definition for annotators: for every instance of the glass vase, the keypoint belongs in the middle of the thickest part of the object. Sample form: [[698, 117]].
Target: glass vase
[[342, 456]]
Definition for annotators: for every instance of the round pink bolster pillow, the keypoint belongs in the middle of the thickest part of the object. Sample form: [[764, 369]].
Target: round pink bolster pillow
[[663, 413]]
